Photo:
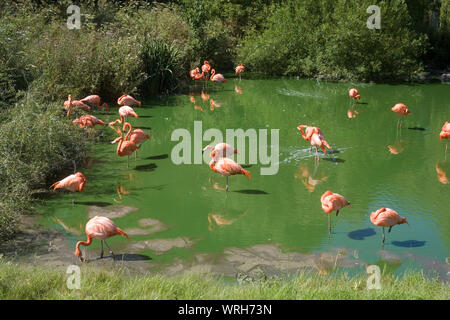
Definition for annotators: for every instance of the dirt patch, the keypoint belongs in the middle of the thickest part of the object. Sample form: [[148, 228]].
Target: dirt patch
[[163, 245], [110, 212], [265, 258]]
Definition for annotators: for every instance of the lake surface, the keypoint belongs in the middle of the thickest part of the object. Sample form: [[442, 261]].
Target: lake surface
[[189, 205]]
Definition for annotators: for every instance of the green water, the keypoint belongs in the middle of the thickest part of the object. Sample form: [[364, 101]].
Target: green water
[[280, 209]]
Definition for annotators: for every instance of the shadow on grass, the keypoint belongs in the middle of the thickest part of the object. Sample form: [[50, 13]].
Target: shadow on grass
[[250, 191]]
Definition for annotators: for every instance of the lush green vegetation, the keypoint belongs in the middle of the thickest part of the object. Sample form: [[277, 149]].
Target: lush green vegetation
[[18, 282]]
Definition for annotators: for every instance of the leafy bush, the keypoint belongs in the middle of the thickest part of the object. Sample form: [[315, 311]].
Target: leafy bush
[[330, 39], [36, 144]]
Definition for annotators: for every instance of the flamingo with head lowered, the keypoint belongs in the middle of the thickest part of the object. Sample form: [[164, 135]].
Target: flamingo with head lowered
[[95, 101], [100, 228], [127, 100], [69, 104], [75, 182], [88, 121]]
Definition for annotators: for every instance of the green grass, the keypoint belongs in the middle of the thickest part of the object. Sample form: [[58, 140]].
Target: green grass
[[20, 282]]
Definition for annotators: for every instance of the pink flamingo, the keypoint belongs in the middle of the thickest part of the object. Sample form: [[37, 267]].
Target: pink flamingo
[[386, 217], [221, 150], [332, 202], [69, 104], [100, 228], [124, 113], [239, 69], [445, 134], [315, 137], [125, 147], [226, 167], [138, 136], [402, 111], [95, 101], [353, 94], [217, 77], [193, 73], [205, 69], [75, 182], [88, 121], [127, 100]]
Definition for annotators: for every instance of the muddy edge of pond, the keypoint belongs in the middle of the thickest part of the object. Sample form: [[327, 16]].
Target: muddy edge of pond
[[34, 246]]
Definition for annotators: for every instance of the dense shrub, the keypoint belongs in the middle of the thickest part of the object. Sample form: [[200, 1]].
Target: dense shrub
[[36, 144], [330, 39]]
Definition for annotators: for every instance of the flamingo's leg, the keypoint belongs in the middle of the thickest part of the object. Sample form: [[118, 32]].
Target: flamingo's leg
[[329, 223], [390, 229], [226, 188], [446, 147], [383, 235], [337, 212], [101, 253], [110, 250]]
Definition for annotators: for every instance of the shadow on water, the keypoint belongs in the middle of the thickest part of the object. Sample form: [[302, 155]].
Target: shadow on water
[[94, 203], [249, 191], [361, 234], [146, 167], [245, 166], [409, 243], [125, 257], [337, 160], [146, 116], [158, 157], [143, 128], [357, 102], [416, 128]]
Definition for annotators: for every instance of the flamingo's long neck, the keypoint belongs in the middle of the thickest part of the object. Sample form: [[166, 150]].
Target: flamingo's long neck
[[213, 73], [119, 146], [129, 131], [84, 243]]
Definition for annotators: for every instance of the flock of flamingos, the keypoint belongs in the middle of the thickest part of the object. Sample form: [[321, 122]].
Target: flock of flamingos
[[102, 228]]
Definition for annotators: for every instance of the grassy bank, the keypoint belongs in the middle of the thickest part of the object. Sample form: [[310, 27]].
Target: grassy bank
[[18, 282]]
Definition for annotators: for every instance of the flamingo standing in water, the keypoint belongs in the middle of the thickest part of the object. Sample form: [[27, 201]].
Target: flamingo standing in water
[[219, 78], [386, 217], [125, 147], [75, 182], [127, 100], [124, 113], [353, 94], [95, 101], [69, 104], [88, 121], [205, 69], [315, 137], [239, 69], [226, 167], [445, 134], [332, 202], [100, 228], [138, 136], [402, 111], [221, 150]]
